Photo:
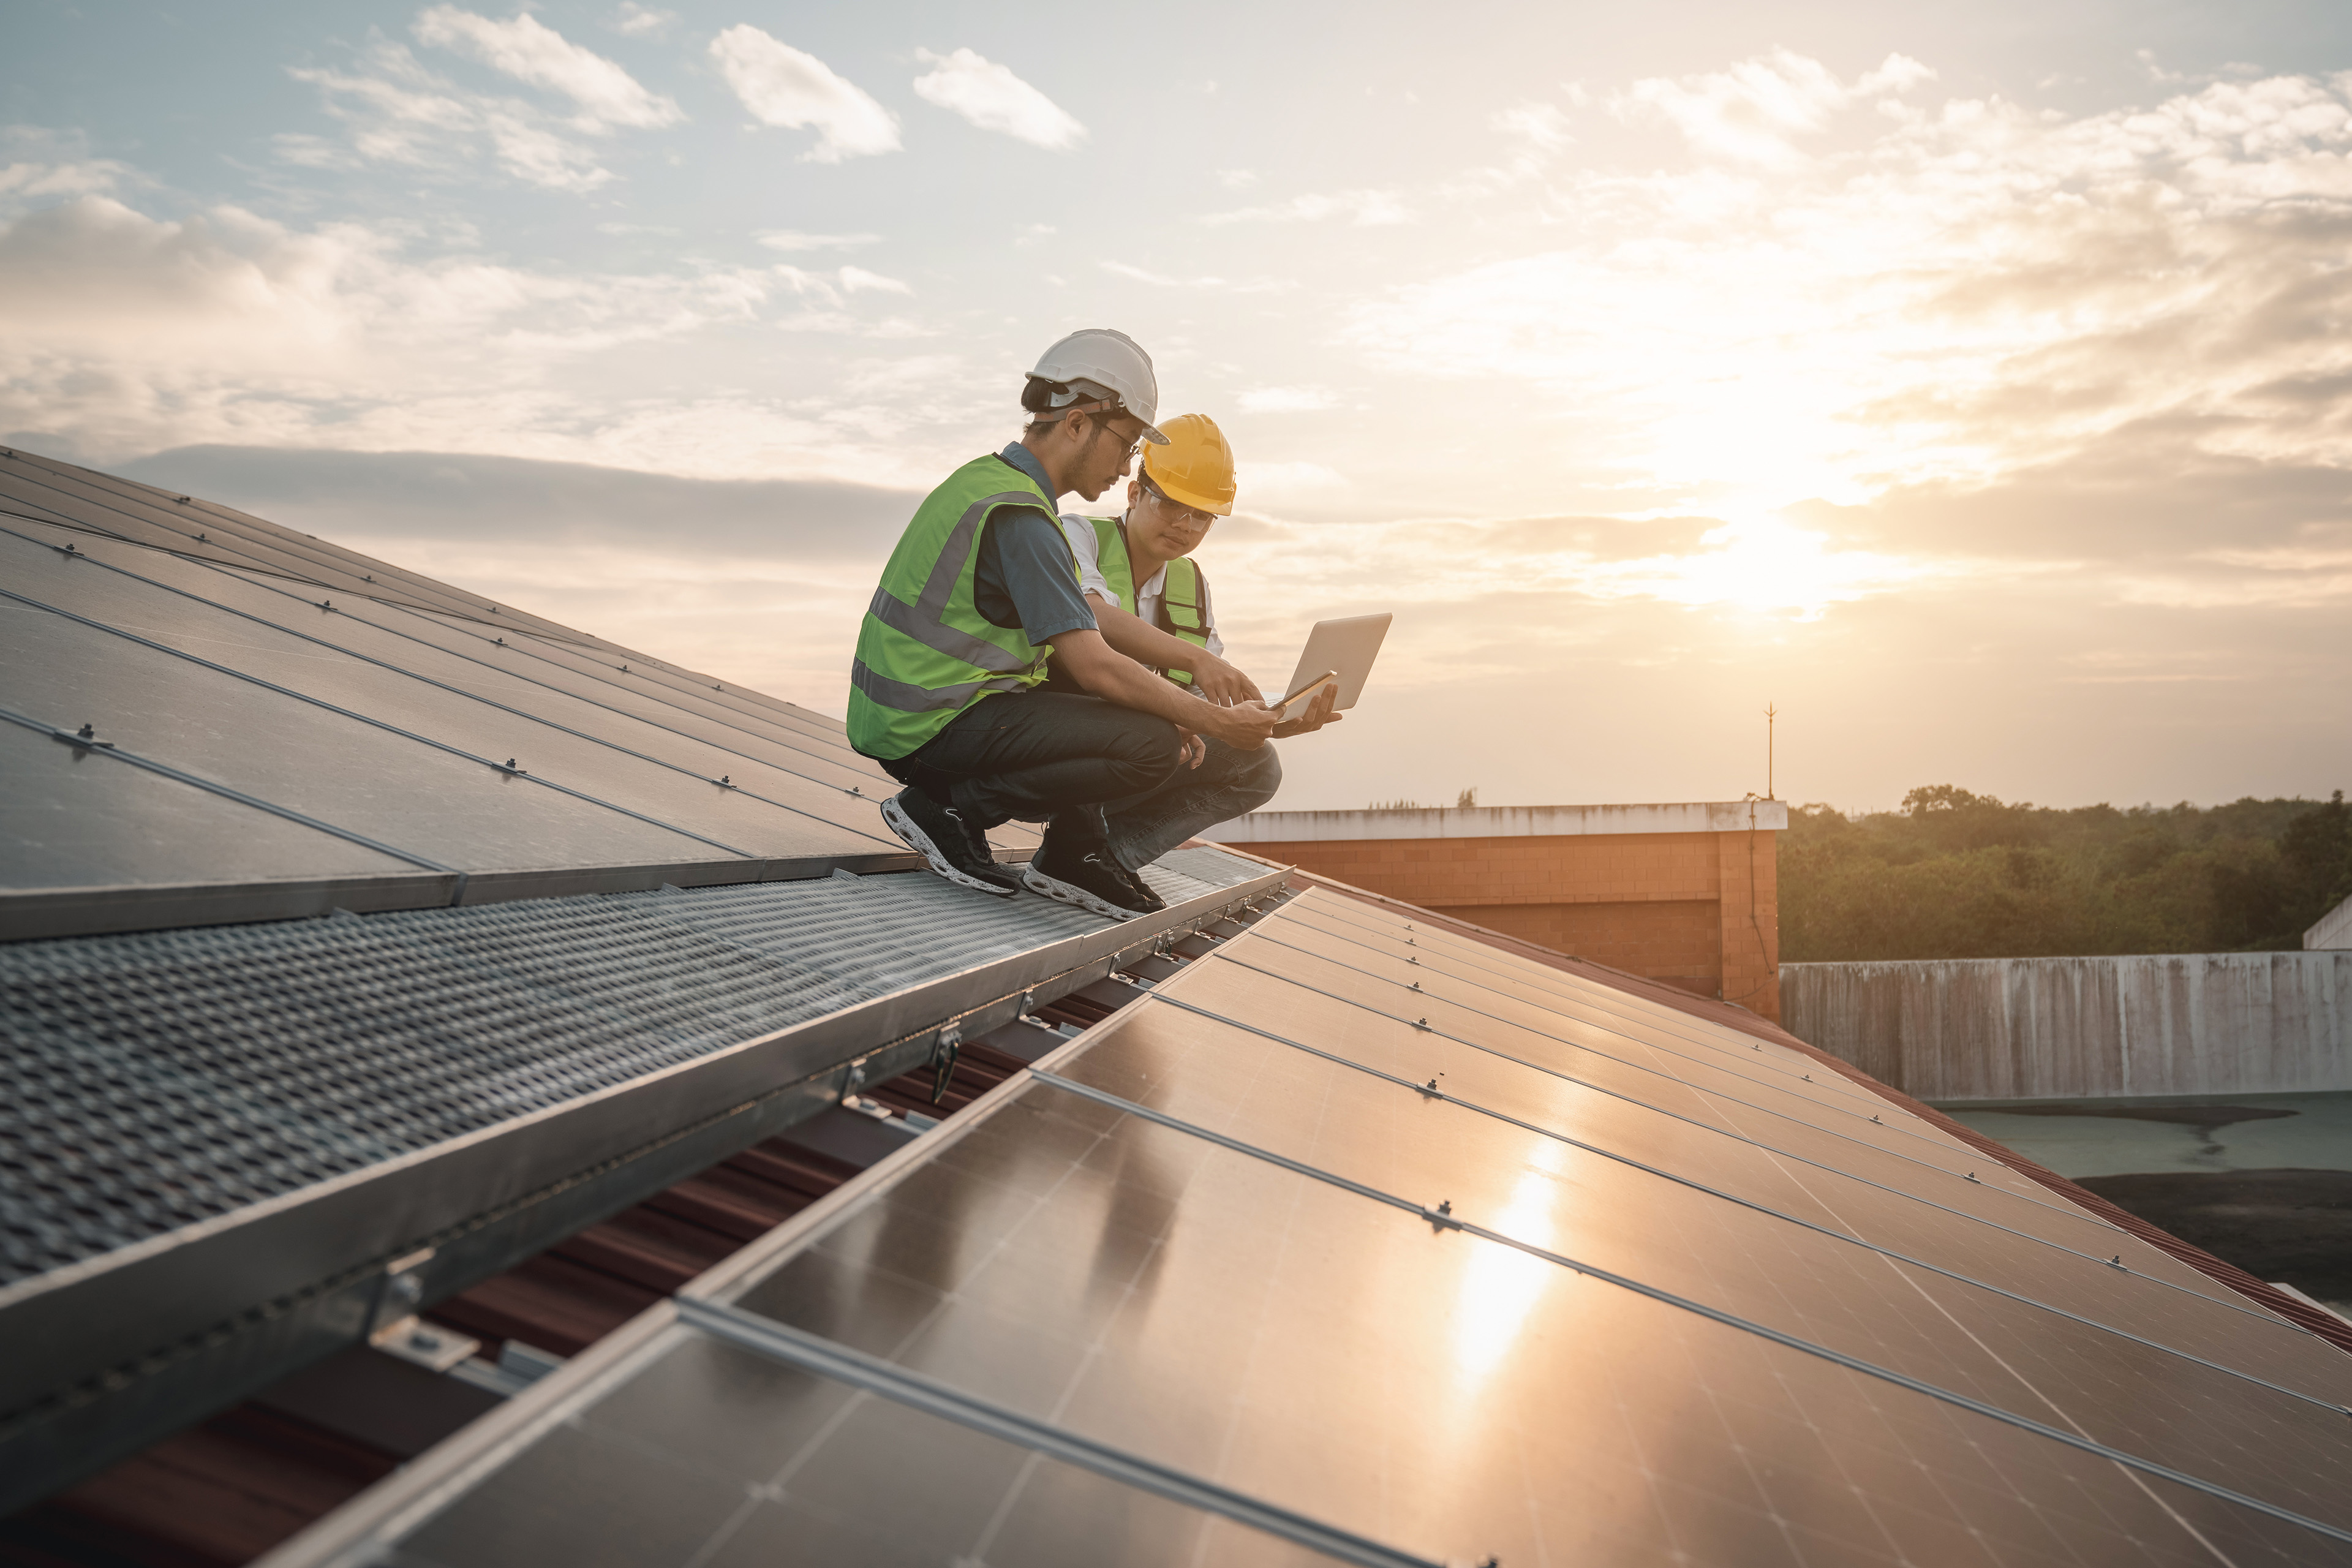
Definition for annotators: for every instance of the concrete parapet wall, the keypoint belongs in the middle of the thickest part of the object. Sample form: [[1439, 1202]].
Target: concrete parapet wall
[[2333, 929], [1502, 822], [2068, 1029]]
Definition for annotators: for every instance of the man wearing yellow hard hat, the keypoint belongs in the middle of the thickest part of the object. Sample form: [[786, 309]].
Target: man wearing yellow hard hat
[[1151, 602], [944, 688]]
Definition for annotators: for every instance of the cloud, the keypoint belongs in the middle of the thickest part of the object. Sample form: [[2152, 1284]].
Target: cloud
[[532, 52], [993, 98], [124, 332], [640, 21], [1285, 400], [856, 279], [1237, 179], [1753, 112], [1158, 280], [1979, 292], [37, 163], [1365, 208], [1543, 125], [417, 496], [780, 86], [400, 112], [794, 240]]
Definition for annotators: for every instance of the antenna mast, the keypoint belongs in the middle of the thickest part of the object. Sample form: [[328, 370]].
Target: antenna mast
[[1769, 713]]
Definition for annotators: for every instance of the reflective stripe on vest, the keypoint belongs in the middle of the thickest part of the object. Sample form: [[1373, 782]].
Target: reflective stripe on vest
[[925, 653], [1184, 609]]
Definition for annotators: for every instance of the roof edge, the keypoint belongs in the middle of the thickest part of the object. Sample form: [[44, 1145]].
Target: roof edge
[[1502, 822]]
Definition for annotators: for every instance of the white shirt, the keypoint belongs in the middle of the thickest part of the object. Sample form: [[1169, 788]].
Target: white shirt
[[1088, 549]]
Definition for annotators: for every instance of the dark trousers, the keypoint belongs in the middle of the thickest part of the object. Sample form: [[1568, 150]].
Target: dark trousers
[[1029, 754]]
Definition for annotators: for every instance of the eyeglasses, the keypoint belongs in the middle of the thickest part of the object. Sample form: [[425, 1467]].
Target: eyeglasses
[[1190, 516], [1103, 417]]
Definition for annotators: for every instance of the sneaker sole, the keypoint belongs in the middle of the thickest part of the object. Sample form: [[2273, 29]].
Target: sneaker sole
[[900, 822], [1037, 882]]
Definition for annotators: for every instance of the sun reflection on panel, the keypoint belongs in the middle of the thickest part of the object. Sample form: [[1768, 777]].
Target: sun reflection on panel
[[1500, 1285]]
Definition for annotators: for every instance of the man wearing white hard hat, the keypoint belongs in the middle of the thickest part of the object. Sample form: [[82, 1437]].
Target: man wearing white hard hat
[[1152, 600], [980, 591]]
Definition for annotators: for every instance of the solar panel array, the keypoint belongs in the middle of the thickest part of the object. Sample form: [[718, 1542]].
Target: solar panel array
[[1357, 1240], [209, 717]]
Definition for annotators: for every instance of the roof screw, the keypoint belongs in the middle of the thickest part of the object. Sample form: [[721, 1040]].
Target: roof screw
[[499, 641], [1972, 1176], [367, 579], [1421, 1024], [1875, 1119], [203, 539], [87, 732], [725, 781], [183, 499], [2116, 1261], [1432, 1086], [855, 790], [326, 604], [510, 765], [625, 669], [1416, 985], [1808, 1078]]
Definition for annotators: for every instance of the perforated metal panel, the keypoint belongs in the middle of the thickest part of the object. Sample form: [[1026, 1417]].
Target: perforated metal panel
[[165, 1078]]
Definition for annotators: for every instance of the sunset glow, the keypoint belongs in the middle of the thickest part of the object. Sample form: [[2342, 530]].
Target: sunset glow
[[1878, 368]]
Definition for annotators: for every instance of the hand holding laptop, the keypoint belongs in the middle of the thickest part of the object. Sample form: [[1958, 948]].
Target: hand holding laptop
[[1308, 710], [1332, 669]]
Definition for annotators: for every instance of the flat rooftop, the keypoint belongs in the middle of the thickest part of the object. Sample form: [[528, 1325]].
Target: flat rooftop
[[1503, 822]]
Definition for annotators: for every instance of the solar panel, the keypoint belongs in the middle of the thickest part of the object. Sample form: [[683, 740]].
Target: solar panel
[[754, 1462], [357, 734], [1423, 1288]]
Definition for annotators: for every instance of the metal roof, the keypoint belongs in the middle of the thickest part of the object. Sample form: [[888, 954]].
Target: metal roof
[[1359, 1240], [206, 717]]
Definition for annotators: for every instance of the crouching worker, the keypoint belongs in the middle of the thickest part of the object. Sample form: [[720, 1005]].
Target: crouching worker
[[1151, 601], [980, 590]]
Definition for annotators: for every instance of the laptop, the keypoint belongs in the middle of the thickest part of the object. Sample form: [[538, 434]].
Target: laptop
[[1338, 652]]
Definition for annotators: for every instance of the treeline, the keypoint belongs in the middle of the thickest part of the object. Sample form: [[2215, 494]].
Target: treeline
[[1956, 875]]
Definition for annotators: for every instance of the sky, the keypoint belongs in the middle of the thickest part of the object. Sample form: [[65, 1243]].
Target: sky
[[1967, 382]]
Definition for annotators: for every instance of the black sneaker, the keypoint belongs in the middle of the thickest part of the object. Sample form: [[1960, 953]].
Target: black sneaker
[[985, 853], [1076, 866], [939, 834], [1149, 902]]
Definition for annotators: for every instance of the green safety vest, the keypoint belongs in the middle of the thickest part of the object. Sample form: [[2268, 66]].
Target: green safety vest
[[1184, 596], [925, 653]]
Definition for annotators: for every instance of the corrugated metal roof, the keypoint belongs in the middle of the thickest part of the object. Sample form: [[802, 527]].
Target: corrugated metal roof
[[243, 1063]]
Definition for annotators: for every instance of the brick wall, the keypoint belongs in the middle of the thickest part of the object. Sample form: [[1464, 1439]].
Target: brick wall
[[1674, 907]]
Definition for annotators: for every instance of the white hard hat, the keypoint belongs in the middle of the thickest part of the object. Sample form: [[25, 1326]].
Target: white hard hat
[[1096, 363]]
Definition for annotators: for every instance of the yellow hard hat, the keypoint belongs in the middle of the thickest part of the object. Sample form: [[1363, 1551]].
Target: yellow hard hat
[[1196, 467]]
